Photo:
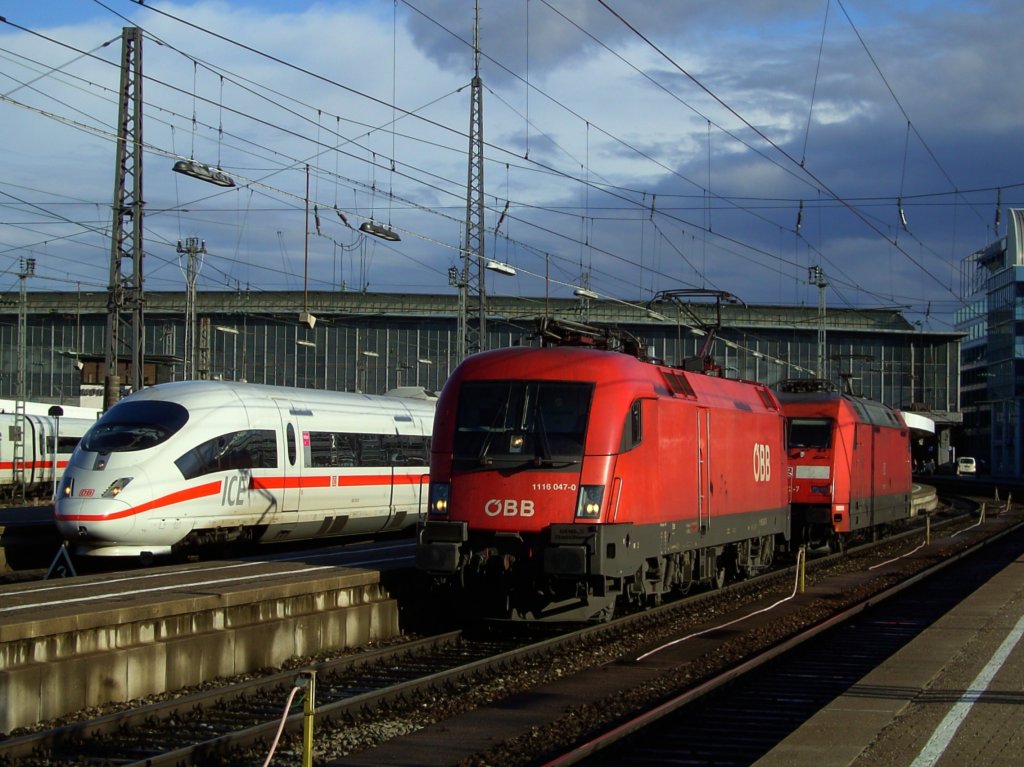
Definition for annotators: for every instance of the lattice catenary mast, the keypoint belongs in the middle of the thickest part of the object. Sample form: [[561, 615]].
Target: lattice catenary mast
[[125, 295], [473, 315]]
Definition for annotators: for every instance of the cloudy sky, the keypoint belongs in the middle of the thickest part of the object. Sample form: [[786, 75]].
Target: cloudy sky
[[632, 146]]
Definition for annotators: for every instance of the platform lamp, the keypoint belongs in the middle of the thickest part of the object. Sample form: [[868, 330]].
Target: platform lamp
[[55, 412]]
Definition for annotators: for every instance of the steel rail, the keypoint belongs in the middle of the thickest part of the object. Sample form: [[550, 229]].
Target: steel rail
[[647, 718]]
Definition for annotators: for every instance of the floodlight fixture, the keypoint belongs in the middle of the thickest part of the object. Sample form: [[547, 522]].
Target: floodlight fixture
[[379, 230], [203, 172], [501, 268]]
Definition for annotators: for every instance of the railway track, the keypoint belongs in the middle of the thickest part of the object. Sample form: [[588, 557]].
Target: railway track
[[365, 699], [736, 717], [202, 726]]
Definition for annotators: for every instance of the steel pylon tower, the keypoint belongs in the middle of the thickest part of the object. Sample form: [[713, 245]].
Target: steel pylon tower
[[473, 313], [125, 328]]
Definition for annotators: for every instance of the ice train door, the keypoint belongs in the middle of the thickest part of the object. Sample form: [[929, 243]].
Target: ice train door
[[410, 467]]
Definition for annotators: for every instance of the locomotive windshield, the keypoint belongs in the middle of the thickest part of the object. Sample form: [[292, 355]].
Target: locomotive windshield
[[134, 426], [522, 422], [810, 432]]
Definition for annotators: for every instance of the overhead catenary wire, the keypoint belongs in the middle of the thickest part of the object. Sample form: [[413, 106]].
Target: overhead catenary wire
[[825, 187], [814, 91], [661, 212]]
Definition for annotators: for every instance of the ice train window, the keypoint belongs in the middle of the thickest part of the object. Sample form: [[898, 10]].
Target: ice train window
[[64, 444], [407, 450], [248, 449], [134, 425], [371, 450], [292, 449], [340, 450]]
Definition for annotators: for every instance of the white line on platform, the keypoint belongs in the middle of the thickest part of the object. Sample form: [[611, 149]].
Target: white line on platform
[[169, 587], [944, 733]]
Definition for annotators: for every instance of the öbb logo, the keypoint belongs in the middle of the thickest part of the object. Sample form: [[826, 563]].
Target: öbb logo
[[762, 462], [508, 507]]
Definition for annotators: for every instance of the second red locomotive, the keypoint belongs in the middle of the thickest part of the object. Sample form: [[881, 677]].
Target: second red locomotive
[[564, 480], [850, 463]]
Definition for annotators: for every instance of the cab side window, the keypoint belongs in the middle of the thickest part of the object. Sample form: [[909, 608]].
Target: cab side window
[[632, 430]]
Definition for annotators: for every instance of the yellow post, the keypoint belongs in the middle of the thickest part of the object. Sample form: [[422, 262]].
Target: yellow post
[[308, 680], [981, 518], [928, 529], [1009, 501]]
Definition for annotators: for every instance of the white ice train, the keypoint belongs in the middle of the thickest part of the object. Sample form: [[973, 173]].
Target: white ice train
[[202, 462], [41, 431]]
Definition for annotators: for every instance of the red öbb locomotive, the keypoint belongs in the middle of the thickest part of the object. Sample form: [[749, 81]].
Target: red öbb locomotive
[[564, 480], [850, 463]]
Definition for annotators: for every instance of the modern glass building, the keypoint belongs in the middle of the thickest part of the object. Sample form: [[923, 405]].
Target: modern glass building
[[992, 352]]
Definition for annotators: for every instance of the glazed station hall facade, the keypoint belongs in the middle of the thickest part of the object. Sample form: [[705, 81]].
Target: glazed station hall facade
[[374, 342]]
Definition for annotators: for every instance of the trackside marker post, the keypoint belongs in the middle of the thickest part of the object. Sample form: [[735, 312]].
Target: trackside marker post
[[801, 563], [308, 679]]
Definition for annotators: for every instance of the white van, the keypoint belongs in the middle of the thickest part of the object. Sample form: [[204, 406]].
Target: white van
[[966, 465]]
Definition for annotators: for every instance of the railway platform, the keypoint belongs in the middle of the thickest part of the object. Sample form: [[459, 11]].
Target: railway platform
[[952, 696], [68, 644]]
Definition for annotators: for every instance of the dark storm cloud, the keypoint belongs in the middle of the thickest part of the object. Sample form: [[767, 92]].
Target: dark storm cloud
[[615, 162], [559, 32]]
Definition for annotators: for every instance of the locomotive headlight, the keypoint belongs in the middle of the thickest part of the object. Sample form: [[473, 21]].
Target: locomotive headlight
[[116, 487], [440, 492], [68, 487], [588, 503]]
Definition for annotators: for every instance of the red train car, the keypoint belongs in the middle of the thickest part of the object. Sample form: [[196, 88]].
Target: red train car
[[564, 480], [850, 463]]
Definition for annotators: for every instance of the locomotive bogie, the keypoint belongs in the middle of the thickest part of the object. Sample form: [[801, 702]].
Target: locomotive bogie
[[578, 574], [189, 464]]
